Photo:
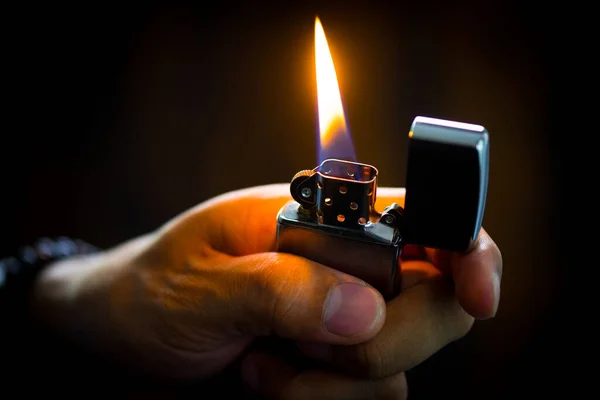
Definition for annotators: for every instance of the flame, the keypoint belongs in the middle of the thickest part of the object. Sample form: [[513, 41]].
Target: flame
[[334, 138]]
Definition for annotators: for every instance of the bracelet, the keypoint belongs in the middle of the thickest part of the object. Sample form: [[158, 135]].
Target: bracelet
[[27, 345], [18, 273]]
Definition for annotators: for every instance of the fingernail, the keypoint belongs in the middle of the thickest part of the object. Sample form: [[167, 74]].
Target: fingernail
[[317, 351], [352, 309], [496, 283]]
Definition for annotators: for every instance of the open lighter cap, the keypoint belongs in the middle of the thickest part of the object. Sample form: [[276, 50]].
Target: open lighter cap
[[446, 183]]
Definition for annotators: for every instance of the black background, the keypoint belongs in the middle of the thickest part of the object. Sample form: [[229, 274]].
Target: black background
[[124, 116]]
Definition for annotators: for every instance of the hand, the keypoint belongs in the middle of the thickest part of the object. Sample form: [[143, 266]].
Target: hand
[[185, 301], [442, 293]]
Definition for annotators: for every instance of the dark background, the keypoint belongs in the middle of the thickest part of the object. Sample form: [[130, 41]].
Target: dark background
[[125, 116]]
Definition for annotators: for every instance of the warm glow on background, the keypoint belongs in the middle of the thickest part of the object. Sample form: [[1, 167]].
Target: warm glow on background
[[332, 122]]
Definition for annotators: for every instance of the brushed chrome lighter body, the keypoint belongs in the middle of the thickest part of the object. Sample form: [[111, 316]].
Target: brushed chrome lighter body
[[371, 254]]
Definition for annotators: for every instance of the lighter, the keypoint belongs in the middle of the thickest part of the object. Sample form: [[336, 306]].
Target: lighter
[[332, 218]]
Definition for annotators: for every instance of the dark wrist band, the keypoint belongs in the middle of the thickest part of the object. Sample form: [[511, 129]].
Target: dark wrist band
[[18, 273], [26, 344]]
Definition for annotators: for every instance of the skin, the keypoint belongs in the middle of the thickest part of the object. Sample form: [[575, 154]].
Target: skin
[[186, 301]]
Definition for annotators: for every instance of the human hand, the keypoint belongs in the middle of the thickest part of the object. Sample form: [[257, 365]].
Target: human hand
[[185, 301], [442, 294]]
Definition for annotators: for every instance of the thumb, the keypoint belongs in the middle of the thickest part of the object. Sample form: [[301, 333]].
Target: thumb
[[299, 299]]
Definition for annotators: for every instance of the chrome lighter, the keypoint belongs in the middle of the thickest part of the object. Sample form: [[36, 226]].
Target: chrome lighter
[[332, 219]]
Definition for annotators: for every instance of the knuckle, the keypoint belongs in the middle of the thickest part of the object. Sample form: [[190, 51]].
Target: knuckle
[[451, 317], [373, 359], [274, 286], [392, 388], [286, 295]]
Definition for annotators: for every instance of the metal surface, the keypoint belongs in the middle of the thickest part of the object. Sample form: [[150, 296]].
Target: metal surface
[[342, 193], [371, 254], [446, 184]]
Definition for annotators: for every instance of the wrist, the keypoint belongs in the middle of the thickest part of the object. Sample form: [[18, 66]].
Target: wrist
[[20, 331], [56, 299], [73, 297]]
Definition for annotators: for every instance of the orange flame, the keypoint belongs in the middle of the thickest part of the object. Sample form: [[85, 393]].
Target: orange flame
[[332, 121]]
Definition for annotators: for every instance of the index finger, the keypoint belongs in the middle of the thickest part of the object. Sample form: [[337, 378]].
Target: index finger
[[476, 273]]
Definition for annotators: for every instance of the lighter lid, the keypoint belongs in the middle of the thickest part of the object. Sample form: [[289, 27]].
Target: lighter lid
[[446, 183]]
